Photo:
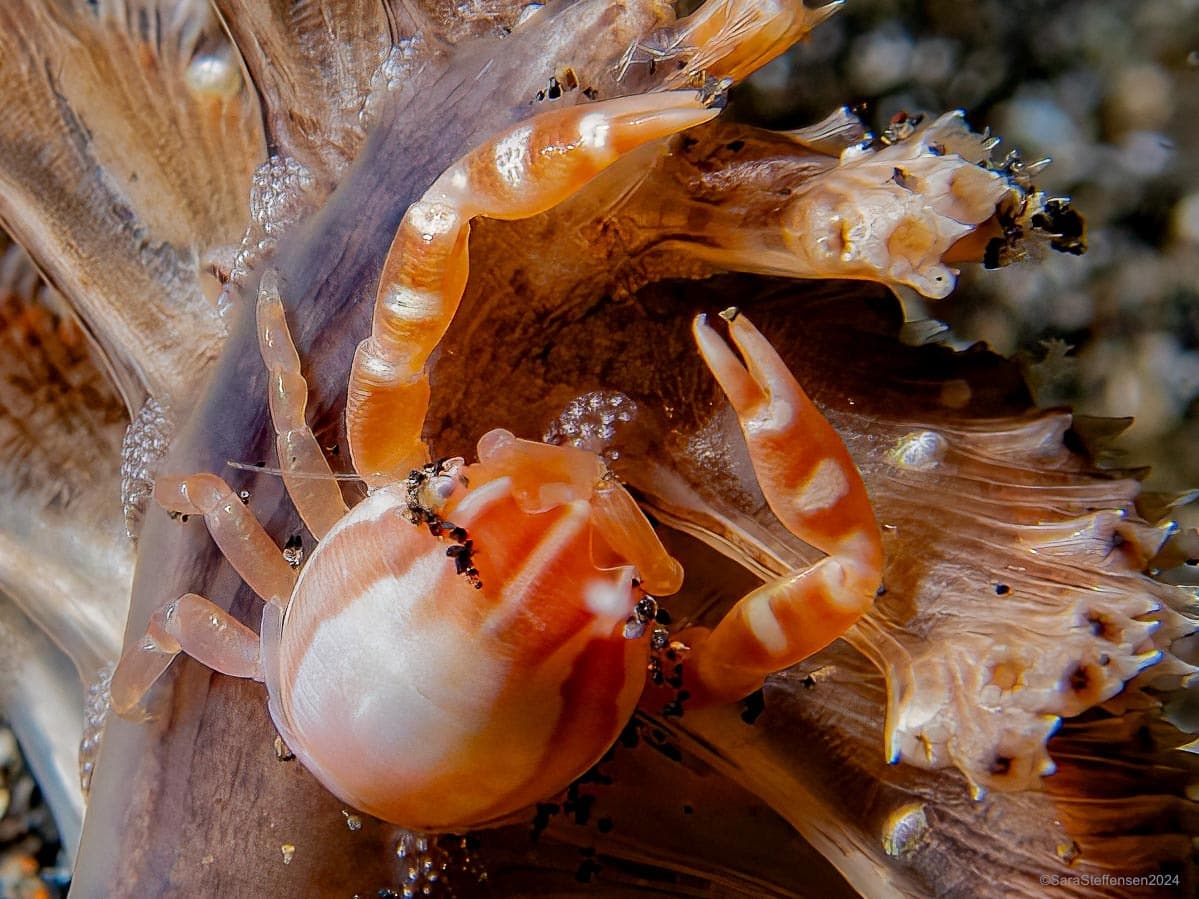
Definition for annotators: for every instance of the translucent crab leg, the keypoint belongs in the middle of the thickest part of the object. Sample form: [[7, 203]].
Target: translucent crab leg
[[627, 530], [242, 540], [816, 491], [191, 624], [306, 472], [525, 171]]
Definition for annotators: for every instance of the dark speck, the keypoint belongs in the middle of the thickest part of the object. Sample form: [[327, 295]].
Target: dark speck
[[659, 742], [752, 706], [993, 253], [541, 820], [587, 870], [1100, 627], [671, 751], [1080, 679], [582, 808], [1143, 739]]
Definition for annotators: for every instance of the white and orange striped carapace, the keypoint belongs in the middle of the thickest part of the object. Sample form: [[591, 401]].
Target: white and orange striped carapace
[[465, 641]]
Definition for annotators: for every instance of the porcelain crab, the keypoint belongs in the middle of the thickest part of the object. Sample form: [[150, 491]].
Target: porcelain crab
[[485, 624]]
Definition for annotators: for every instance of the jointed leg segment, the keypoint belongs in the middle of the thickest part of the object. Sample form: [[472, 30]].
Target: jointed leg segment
[[816, 491], [306, 472], [189, 624], [242, 539]]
